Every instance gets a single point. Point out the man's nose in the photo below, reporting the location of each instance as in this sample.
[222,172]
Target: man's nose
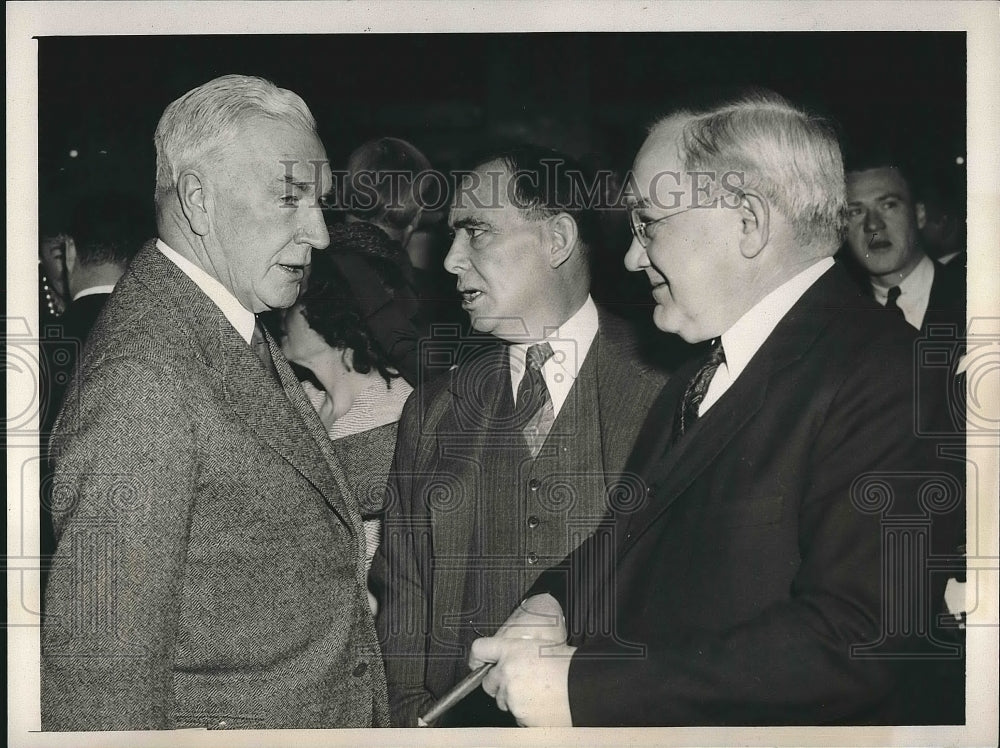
[873,220]
[636,258]
[457,258]
[313,230]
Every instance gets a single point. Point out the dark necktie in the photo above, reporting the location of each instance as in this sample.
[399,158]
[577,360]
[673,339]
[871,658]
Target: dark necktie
[687,409]
[260,347]
[893,301]
[534,405]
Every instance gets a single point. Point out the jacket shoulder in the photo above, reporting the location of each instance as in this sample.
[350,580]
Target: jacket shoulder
[621,342]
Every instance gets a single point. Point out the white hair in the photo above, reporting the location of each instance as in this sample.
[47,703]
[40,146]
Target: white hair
[791,157]
[200,125]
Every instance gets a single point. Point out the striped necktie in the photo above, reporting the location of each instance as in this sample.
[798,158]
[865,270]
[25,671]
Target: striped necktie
[534,407]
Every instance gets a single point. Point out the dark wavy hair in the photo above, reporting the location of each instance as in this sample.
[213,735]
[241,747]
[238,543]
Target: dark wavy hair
[360,296]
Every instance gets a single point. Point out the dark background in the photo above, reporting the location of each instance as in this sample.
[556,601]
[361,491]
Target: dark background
[590,94]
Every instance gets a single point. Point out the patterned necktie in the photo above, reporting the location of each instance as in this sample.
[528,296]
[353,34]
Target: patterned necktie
[687,409]
[893,301]
[258,342]
[534,405]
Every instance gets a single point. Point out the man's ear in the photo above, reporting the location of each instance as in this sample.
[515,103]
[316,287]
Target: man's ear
[921,212]
[193,201]
[564,236]
[755,224]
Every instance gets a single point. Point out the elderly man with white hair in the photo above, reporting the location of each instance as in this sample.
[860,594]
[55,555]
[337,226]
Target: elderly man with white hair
[210,565]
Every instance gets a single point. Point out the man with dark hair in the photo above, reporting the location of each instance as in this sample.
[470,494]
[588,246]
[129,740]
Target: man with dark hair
[508,462]
[107,232]
[884,235]
[758,580]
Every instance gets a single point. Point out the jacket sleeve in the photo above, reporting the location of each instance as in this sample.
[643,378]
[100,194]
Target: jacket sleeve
[123,491]
[398,579]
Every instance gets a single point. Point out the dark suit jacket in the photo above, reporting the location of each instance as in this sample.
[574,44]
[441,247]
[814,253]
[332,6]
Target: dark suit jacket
[947,302]
[445,432]
[210,567]
[762,554]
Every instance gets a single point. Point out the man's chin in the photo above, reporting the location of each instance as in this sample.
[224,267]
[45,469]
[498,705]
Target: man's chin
[665,321]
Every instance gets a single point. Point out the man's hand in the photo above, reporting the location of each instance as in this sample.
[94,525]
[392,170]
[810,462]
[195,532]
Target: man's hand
[538,617]
[530,679]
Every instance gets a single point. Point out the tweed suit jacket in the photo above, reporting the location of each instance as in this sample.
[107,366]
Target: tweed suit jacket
[430,524]
[761,581]
[210,566]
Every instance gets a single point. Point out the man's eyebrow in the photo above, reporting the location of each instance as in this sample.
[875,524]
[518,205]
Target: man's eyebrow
[470,222]
[880,198]
[300,184]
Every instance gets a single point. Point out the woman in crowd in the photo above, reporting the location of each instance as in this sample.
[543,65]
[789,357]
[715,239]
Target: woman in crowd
[354,329]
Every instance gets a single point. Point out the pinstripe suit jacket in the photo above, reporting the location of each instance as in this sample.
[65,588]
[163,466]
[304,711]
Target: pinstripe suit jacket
[444,434]
[210,567]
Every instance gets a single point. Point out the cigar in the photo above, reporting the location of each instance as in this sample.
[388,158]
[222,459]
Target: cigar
[467,685]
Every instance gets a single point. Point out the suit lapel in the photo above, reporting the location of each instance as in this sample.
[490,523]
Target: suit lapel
[341,499]
[466,430]
[274,412]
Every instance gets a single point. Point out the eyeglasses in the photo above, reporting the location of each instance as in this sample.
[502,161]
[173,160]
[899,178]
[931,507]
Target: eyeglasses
[640,228]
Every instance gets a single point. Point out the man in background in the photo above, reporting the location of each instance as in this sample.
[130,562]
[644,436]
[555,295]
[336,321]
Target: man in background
[884,236]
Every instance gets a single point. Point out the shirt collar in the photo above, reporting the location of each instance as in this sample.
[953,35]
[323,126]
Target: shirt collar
[94,290]
[917,282]
[239,316]
[570,343]
[747,335]
[572,338]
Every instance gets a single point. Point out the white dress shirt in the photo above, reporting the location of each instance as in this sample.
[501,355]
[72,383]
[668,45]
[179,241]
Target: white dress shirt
[570,343]
[93,291]
[741,341]
[239,316]
[914,292]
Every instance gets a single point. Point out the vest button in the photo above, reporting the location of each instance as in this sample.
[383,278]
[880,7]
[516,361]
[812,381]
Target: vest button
[533,522]
[534,484]
[532,558]
[360,669]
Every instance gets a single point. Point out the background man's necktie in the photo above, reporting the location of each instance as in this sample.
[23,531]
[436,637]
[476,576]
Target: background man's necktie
[893,301]
[687,409]
[260,347]
[534,404]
